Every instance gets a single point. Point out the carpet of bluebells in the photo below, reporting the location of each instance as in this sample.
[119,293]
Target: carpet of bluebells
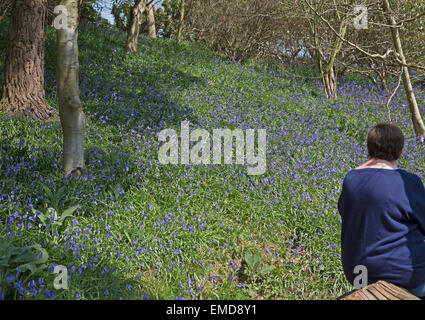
[143,230]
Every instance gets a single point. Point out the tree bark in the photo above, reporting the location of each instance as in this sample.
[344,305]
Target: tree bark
[150,17]
[327,66]
[181,20]
[418,124]
[330,76]
[134,26]
[5,8]
[23,88]
[71,114]
[329,82]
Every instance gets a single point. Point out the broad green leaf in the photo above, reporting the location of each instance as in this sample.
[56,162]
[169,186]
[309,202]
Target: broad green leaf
[266,269]
[60,193]
[28,267]
[68,212]
[47,191]
[248,259]
[24,257]
[41,254]
[43,217]
[257,260]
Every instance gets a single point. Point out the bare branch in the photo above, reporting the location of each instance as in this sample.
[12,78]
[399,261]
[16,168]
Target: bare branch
[371,55]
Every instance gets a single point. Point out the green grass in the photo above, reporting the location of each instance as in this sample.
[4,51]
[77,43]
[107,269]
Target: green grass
[190,225]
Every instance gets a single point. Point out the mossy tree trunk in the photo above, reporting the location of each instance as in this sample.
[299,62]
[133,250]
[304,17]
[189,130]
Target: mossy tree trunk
[23,87]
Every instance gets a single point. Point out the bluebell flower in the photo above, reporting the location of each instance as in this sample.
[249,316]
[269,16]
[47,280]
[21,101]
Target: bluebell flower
[241,285]
[49,294]
[10,277]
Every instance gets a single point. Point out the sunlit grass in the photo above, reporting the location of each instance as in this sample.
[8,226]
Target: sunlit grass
[146,230]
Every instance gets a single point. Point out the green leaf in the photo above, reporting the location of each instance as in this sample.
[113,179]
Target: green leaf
[128,237]
[248,259]
[3,264]
[68,212]
[25,256]
[30,266]
[41,216]
[48,192]
[257,261]
[60,193]
[3,243]
[41,254]
[266,269]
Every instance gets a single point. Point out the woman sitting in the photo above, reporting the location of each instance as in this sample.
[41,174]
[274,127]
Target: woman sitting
[383,216]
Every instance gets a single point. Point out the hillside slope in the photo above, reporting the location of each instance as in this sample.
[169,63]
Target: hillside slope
[147,230]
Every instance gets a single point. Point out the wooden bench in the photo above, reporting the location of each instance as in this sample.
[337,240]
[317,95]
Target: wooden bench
[380,290]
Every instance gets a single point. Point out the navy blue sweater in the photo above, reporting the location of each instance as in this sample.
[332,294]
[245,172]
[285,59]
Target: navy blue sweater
[383,226]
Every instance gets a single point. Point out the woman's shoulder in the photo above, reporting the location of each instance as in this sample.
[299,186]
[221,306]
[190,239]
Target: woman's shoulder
[406,176]
[409,176]
[381,173]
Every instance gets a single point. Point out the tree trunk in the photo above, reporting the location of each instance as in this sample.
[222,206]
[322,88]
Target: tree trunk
[151,20]
[72,117]
[418,124]
[5,8]
[329,82]
[23,88]
[134,26]
[181,20]
[329,74]
[327,65]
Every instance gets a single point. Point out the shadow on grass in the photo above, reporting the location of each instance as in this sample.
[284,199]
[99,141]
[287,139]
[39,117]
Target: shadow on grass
[118,95]
[94,280]
[128,90]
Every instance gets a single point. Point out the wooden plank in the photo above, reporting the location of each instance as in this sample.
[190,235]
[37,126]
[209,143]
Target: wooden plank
[377,293]
[400,293]
[388,290]
[389,294]
[358,295]
[368,295]
[380,290]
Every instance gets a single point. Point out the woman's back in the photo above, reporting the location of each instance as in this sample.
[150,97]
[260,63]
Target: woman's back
[383,225]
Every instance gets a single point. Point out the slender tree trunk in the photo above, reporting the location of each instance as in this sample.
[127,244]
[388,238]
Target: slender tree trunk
[418,124]
[134,26]
[23,88]
[151,20]
[181,21]
[71,114]
[329,82]
[329,74]
[327,66]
